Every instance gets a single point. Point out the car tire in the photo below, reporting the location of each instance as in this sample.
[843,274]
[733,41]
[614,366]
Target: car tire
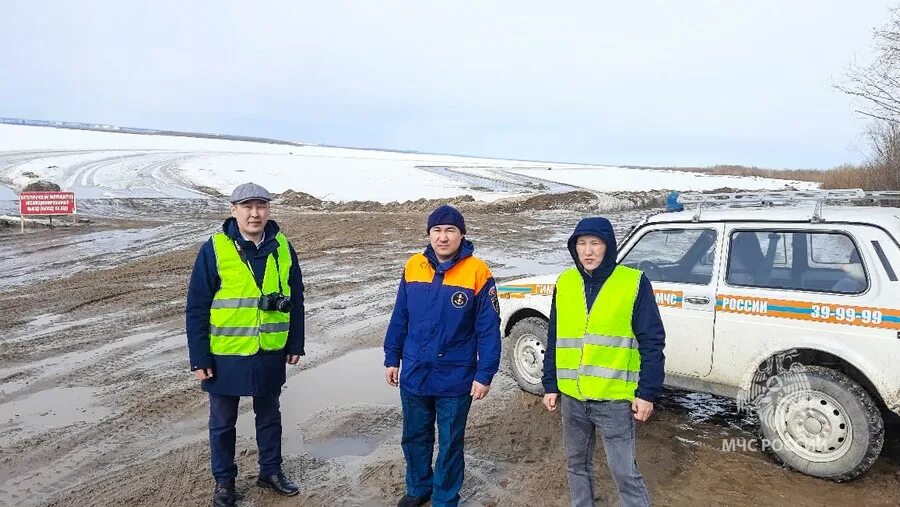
[820,422]
[527,343]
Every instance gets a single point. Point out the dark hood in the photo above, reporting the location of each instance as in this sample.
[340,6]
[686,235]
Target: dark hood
[596,226]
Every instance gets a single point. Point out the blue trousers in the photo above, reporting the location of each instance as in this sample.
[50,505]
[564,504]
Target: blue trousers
[223,412]
[419,416]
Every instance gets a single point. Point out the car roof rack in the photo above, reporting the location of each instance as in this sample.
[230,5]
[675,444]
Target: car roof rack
[760,199]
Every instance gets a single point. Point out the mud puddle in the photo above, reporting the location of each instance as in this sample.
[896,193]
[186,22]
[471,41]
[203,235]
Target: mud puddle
[50,409]
[708,409]
[350,380]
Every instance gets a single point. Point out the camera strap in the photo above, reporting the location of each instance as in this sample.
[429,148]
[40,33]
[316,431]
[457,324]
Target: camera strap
[274,254]
[243,256]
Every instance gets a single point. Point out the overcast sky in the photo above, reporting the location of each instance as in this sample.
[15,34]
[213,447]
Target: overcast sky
[649,83]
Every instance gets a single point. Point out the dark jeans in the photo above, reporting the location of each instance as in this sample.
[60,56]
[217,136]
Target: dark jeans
[419,416]
[615,422]
[223,412]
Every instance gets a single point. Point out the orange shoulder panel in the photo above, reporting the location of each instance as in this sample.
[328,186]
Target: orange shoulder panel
[470,273]
[418,269]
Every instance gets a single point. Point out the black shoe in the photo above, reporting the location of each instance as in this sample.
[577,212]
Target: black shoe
[412,501]
[279,483]
[224,495]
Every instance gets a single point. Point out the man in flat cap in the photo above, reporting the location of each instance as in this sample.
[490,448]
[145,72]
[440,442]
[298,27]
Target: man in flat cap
[244,321]
[445,332]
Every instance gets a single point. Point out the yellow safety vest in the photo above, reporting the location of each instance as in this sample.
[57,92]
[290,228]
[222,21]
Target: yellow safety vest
[597,355]
[237,327]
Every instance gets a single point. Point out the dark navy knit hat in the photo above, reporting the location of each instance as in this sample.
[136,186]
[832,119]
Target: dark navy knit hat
[446,215]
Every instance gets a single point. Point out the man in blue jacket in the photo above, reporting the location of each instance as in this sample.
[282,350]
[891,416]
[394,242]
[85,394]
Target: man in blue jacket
[445,330]
[605,355]
[244,321]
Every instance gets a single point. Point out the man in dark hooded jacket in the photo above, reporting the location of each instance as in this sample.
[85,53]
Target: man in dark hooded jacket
[604,359]
[244,321]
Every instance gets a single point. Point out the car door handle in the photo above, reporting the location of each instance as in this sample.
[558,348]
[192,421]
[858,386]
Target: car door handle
[694,300]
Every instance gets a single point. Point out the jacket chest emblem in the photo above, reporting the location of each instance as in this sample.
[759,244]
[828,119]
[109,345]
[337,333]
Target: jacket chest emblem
[459,299]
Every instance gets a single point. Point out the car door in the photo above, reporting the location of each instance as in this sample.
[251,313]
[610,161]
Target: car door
[787,286]
[682,263]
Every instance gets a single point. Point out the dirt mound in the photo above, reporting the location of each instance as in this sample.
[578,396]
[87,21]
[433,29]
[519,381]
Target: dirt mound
[41,186]
[575,200]
[303,200]
[298,199]
[643,200]
[418,205]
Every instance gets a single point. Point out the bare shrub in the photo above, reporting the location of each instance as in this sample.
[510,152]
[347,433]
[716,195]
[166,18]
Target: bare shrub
[876,87]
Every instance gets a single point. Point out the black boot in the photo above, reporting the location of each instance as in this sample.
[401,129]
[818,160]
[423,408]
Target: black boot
[412,501]
[224,495]
[279,483]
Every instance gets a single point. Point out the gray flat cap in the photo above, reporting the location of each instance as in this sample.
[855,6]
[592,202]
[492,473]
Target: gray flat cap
[250,192]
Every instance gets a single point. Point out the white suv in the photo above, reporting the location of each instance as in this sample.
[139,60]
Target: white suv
[791,309]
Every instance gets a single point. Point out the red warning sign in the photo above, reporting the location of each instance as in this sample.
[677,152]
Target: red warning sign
[47,203]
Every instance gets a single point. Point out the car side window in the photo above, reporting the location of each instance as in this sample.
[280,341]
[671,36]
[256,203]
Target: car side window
[675,255]
[796,260]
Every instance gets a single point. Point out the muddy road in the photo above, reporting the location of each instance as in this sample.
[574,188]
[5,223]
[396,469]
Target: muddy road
[97,406]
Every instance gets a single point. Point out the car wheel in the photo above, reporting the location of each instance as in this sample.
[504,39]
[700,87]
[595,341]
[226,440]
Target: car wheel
[527,343]
[820,422]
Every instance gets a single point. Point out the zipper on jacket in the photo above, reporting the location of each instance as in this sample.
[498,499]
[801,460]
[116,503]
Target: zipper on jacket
[435,292]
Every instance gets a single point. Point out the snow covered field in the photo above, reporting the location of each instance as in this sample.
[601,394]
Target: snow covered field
[606,179]
[111,164]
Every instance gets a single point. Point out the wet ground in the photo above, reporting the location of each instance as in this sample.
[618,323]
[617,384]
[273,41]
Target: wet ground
[97,406]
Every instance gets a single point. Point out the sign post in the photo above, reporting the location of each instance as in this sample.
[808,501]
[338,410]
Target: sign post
[46,204]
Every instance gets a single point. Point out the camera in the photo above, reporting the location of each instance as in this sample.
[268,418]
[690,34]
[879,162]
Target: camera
[275,302]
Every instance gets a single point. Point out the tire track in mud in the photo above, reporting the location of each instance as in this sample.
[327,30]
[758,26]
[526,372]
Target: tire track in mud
[92,249]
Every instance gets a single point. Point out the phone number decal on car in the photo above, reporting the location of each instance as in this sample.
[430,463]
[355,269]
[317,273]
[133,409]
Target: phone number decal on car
[888,318]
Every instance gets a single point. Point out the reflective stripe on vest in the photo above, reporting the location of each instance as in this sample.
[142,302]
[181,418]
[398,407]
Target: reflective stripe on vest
[237,327]
[597,355]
